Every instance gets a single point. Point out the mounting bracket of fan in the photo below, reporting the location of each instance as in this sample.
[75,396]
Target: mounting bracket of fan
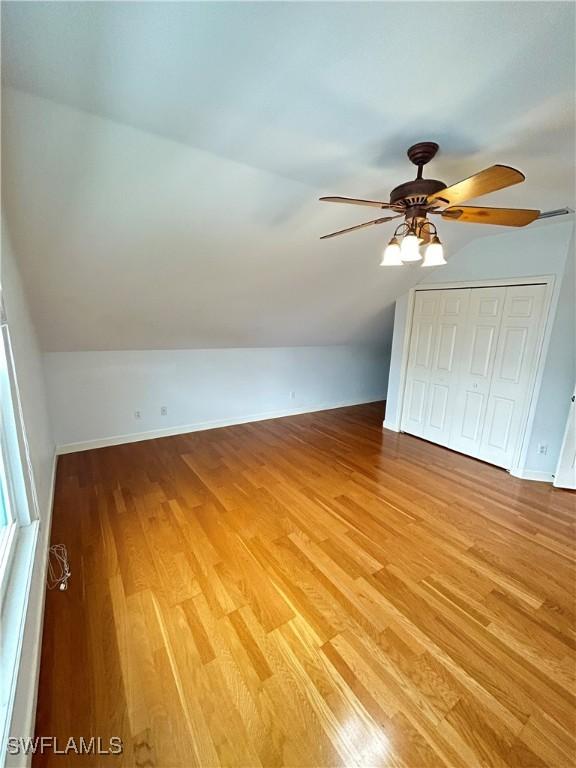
[422,153]
[415,193]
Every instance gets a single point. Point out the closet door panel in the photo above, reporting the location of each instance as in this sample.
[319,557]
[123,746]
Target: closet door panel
[439,394]
[471,424]
[499,422]
[417,402]
[479,351]
[482,352]
[511,361]
[422,339]
[433,363]
[446,347]
[444,373]
[514,364]
[423,344]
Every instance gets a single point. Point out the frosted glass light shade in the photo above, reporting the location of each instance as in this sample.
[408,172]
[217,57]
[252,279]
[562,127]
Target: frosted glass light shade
[391,255]
[434,254]
[410,249]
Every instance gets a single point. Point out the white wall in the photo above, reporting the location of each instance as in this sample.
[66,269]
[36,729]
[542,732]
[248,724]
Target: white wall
[30,379]
[546,248]
[128,241]
[93,395]
[30,374]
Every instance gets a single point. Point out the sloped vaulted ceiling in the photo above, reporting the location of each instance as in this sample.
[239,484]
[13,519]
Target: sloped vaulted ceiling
[162,161]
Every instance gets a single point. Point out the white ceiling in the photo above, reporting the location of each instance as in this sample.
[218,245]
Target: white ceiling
[162,161]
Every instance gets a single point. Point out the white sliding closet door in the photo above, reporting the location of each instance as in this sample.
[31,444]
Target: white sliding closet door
[435,350]
[516,357]
[420,362]
[450,325]
[480,338]
[472,356]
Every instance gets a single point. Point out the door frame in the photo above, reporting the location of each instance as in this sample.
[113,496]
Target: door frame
[567,444]
[545,331]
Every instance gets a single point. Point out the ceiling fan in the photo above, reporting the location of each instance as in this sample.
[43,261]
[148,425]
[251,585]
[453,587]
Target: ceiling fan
[415,200]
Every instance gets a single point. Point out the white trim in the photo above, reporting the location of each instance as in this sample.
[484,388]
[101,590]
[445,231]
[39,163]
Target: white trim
[531,474]
[565,476]
[24,693]
[395,425]
[549,313]
[14,615]
[550,303]
[200,426]
[7,546]
[492,283]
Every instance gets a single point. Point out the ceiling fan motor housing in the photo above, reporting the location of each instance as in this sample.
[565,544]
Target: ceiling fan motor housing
[415,192]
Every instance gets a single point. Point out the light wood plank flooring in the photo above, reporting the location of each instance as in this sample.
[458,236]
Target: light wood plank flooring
[310,591]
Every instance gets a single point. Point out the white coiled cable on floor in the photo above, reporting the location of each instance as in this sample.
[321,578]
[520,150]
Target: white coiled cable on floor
[58,568]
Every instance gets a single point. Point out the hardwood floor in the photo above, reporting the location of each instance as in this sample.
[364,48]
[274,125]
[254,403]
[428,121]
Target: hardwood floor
[310,591]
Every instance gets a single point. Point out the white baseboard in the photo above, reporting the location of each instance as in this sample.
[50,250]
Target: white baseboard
[530,474]
[151,434]
[391,426]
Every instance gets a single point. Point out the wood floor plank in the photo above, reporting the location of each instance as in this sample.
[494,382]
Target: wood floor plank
[310,591]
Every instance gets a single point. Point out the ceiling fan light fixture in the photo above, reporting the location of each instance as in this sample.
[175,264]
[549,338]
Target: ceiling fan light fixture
[391,256]
[434,253]
[414,200]
[410,249]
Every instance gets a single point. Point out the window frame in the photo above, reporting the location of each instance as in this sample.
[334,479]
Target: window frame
[19,540]
[16,481]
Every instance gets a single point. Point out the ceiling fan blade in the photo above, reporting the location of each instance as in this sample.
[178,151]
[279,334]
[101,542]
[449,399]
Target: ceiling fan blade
[504,217]
[356,201]
[360,226]
[482,183]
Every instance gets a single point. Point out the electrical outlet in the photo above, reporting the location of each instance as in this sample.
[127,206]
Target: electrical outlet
[137,414]
[543,449]
[292,395]
[164,410]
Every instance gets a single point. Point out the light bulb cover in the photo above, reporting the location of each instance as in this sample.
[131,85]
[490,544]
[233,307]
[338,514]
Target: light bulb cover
[410,248]
[391,255]
[434,254]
